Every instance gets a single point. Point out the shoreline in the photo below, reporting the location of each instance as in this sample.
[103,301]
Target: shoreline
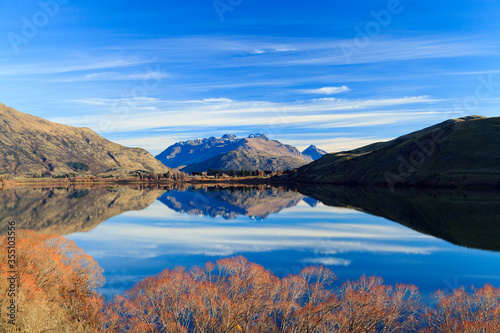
[11,183]
[255,180]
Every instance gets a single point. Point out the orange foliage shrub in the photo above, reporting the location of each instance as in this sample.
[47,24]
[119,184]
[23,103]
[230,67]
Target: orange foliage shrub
[460,311]
[55,287]
[234,295]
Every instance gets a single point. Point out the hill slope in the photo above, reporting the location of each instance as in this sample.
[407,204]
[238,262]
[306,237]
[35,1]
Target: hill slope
[230,153]
[32,146]
[456,152]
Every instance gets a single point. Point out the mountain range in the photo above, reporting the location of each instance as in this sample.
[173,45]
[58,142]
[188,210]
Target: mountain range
[32,146]
[255,152]
[457,152]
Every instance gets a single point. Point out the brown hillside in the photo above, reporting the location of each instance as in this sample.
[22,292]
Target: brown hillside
[32,146]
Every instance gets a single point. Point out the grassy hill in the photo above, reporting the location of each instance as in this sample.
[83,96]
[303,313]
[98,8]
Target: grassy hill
[459,152]
[32,146]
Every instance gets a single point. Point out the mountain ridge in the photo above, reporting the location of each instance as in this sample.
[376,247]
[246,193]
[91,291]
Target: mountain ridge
[256,151]
[32,146]
[314,152]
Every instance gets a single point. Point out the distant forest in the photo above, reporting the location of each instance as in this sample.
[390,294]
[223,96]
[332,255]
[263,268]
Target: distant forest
[240,173]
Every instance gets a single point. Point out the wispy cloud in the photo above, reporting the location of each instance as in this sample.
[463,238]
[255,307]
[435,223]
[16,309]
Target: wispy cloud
[336,143]
[188,238]
[37,68]
[326,90]
[394,49]
[213,112]
[212,100]
[116,76]
[114,101]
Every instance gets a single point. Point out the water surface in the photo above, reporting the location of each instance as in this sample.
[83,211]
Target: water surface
[435,239]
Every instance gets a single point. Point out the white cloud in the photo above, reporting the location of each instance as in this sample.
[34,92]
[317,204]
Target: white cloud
[322,52]
[282,49]
[115,76]
[154,144]
[216,100]
[258,52]
[74,66]
[326,90]
[229,113]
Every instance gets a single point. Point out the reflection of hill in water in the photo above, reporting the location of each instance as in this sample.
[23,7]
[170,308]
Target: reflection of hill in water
[463,217]
[67,210]
[230,202]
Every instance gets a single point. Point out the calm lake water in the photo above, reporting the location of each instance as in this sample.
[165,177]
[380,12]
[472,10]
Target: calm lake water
[435,239]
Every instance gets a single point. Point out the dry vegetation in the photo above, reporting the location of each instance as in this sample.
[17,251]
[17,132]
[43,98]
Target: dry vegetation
[58,283]
[56,286]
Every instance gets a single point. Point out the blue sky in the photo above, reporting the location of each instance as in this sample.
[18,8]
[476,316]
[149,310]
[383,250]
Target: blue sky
[336,74]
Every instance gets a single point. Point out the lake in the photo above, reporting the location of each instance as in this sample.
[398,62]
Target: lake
[435,239]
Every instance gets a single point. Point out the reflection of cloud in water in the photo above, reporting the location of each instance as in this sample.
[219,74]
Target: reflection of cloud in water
[345,247]
[327,261]
[133,240]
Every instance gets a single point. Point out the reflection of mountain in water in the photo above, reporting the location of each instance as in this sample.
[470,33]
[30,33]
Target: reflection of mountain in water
[311,201]
[231,202]
[462,217]
[68,210]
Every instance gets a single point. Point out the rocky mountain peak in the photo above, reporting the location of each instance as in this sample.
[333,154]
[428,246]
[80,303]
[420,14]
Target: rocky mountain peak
[314,152]
[230,137]
[258,135]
